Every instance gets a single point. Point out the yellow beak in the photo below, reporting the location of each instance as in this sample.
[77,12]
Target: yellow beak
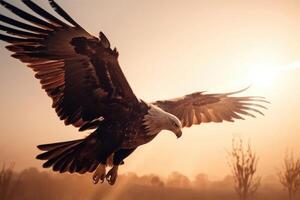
[178,134]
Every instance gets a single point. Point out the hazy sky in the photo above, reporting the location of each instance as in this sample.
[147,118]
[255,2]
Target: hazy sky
[167,49]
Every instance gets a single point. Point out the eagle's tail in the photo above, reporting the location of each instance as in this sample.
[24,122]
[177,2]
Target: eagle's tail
[71,156]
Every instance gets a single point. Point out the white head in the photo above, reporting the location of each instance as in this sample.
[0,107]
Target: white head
[157,120]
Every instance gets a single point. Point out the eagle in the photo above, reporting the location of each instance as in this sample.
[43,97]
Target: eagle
[82,75]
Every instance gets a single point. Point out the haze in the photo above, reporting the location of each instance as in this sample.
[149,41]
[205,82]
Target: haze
[169,49]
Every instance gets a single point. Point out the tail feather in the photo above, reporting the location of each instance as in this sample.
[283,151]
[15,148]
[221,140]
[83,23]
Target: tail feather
[61,161]
[47,147]
[56,155]
[72,156]
[66,165]
[72,166]
[59,150]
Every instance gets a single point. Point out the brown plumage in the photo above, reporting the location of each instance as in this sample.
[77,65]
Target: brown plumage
[200,108]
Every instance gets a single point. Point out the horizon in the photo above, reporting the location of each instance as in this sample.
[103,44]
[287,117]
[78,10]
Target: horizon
[131,186]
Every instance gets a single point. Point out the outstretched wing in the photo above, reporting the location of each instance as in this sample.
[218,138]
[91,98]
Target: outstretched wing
[200,108]
[78,71]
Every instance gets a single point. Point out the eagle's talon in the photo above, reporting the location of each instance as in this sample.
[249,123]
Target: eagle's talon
[99,174]
[112,175]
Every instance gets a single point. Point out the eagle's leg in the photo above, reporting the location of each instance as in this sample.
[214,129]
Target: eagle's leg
[112,175]
[99,174]
[109,143]
[118,158]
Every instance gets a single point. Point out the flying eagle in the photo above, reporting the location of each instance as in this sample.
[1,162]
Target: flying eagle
[82,75]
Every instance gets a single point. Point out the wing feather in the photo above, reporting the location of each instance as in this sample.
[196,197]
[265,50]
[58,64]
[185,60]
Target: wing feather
[190,117]
[22,25]
[19,33]
[27,16]
[200,107]
[40,11]
[78,71]
[63,13]
[198,115]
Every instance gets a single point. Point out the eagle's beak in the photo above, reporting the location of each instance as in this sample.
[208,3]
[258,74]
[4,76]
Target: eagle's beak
[178,134]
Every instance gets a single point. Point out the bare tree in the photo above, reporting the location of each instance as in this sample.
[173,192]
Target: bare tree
[243,163]
[290,174]
[7,182]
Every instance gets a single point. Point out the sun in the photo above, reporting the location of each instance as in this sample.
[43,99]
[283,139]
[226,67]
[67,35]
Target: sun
[263,75]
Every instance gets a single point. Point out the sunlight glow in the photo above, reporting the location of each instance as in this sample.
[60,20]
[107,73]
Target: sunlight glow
[263,75]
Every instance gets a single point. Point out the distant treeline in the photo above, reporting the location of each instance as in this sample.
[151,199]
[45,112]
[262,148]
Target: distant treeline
[31,184]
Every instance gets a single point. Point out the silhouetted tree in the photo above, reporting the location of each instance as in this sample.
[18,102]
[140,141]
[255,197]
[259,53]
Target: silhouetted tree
[7,182]
[290,175]
[243,162]
[150,179]
[177,179]
[155,181]
[201,181]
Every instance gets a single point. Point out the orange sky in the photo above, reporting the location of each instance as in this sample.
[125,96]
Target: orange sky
[168,49]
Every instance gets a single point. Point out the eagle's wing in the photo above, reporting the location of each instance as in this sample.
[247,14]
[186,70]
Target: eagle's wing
[77,70]
[200,108]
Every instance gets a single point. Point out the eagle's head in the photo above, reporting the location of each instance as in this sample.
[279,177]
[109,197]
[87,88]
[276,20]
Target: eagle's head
[174,125]
[157,120]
